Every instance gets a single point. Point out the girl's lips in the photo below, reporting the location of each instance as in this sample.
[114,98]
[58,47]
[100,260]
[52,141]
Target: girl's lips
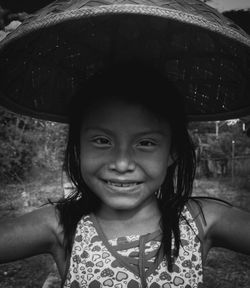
[122,185]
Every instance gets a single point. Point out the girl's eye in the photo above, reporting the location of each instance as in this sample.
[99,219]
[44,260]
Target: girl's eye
[147,144]
[101,141]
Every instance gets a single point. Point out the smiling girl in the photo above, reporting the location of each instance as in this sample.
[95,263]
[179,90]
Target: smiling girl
[131,220]
[126,76]
[133,167]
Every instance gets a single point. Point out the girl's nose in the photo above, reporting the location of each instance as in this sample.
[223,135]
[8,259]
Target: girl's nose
[122,161]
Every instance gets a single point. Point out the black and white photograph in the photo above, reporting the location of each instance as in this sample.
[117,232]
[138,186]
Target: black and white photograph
[125,143]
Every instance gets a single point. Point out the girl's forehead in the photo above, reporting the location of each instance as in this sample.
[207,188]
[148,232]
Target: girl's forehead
[122,113]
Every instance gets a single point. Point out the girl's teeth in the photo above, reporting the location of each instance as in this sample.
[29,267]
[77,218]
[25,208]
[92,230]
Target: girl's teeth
[121,184]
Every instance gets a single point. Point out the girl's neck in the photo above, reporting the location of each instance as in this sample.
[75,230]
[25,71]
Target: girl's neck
[140,221]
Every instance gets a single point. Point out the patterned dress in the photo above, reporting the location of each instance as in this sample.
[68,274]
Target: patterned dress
[134,261]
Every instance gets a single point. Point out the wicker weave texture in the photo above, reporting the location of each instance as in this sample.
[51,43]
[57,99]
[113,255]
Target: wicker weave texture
[190,11]
[208,57]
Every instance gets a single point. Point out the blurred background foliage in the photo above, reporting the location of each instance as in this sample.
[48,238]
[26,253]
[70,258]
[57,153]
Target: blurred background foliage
[222,148]
[28,145]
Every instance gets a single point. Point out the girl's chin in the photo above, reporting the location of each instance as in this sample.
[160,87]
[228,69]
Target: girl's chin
[128,203]
[121,204]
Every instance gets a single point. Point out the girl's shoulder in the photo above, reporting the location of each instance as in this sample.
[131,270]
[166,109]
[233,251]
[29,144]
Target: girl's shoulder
[207,211]
[49,216]
[46,217]
[47,221]
[223,224]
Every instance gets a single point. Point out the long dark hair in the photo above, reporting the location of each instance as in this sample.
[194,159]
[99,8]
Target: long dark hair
[138,83]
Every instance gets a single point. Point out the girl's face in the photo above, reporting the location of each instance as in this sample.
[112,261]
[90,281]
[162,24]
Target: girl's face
[125,152]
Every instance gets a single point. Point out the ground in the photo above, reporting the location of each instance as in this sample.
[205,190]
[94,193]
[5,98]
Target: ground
[223,268]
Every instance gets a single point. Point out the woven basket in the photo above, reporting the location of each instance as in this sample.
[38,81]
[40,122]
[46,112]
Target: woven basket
[43,61]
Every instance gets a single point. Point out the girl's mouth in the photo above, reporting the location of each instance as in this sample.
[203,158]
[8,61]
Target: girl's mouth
[121,184]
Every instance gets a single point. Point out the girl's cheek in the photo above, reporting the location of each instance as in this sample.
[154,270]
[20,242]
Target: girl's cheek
[157,172]
[155,166]
[92,162]
[87,165]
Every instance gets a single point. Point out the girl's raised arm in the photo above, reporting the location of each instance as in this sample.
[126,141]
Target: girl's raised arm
[31,234]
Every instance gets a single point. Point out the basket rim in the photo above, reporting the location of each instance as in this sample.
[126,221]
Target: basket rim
[32,25]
